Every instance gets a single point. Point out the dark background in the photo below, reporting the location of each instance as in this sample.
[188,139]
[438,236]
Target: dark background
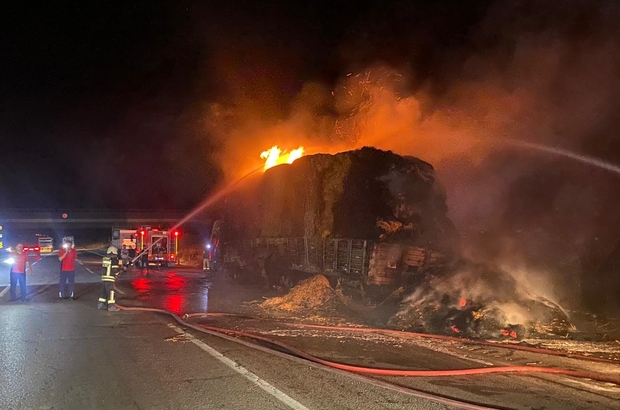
[101,105]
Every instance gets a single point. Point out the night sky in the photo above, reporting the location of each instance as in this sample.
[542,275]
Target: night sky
[109,105]
[101,104]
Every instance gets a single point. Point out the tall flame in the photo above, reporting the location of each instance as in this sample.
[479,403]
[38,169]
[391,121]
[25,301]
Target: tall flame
[275,156]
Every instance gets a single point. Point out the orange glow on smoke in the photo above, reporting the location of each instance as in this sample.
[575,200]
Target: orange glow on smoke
[275,156]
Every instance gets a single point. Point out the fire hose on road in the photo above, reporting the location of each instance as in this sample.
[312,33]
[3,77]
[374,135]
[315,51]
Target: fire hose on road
[460,404]
[217,331]
[399,333]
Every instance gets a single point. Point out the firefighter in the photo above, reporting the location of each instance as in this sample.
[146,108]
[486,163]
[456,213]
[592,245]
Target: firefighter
[110,270]
[206,258]
[132,256]
[125,257]
[144,260]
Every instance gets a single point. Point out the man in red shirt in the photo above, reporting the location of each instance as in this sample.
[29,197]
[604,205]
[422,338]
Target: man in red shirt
[67,257]
[18,272]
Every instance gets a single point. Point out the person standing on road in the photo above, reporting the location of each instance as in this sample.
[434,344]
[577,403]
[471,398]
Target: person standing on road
[125,257]
[110,270]
[136,258]
[18,272]
[206,258]
[67,257]
[144,260]
[132,255]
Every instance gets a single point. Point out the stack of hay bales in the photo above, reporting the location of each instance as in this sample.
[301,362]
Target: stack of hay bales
[365,194]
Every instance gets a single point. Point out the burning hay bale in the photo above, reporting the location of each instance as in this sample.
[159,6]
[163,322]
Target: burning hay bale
[313,294]
[476,301]
[366,194]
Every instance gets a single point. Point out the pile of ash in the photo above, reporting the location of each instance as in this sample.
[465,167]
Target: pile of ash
[475,301]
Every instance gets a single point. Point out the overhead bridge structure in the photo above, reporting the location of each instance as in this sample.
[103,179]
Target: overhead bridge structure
[90,218]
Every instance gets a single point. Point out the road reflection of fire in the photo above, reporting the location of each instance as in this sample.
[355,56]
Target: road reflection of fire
[165,292]
[175,283]
[174,303]
[175,296]
[142,287]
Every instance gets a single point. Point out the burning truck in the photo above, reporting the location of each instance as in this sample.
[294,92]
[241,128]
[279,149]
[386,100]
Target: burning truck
[363,216]
[375,224]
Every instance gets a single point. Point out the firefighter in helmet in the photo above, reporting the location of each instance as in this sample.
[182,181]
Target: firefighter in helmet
[110,270]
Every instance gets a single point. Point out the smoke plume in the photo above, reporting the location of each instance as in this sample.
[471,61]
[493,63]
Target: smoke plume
[528,71]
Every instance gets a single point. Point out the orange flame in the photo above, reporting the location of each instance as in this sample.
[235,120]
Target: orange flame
[275,156]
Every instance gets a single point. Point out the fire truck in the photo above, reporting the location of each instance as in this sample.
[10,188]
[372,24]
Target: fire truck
[162,244]
[124,236]
[46,243]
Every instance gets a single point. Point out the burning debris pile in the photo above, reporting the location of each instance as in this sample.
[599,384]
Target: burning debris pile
[313,295]
[475,301]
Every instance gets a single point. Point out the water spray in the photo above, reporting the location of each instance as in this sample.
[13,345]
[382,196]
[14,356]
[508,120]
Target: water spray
[201,207]
[597,162]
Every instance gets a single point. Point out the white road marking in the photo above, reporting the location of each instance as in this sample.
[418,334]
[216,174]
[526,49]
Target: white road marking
[93,252]
[40,259]
[84,266]
[596,386]
[278,394]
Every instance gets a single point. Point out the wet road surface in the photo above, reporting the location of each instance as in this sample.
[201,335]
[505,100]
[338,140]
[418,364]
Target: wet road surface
[69,355]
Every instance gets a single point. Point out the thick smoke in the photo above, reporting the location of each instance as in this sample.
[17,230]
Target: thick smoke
[530,71]
[480,301]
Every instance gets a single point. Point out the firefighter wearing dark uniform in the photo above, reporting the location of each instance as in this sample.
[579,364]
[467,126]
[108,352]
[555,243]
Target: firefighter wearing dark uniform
[110,270]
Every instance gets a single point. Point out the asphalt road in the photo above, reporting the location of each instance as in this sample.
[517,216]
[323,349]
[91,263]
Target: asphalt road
[69,355]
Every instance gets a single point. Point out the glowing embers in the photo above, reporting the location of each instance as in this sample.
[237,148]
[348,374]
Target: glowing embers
[275,156]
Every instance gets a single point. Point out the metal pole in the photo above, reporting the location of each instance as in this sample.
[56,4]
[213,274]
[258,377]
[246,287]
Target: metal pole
[176,248]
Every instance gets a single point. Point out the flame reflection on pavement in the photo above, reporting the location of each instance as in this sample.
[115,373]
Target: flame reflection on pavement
[177,292]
